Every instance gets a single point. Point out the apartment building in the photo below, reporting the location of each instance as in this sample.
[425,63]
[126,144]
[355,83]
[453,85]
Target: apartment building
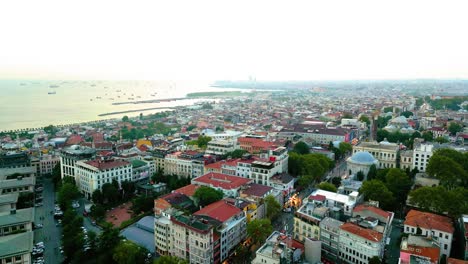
[358,244]
[307,219]
[421,155]
[229,185]
[16,231]
[385,152]
[338,202]
[431,225]
[419,248]
[47,164]
[279,248]
[91,175]
[220,147]
[329,236]
[69,156]
[17,180]
[188,164]
[406,159]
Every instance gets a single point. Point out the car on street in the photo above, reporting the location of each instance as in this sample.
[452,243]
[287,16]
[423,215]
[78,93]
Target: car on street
[39,204]
[37,226]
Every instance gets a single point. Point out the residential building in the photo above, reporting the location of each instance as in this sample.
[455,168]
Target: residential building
[406,159]
[329,235]
[421,155]
[307,219]
[384,152]
[431,225]
[464,230]
[14,160]
[358,244]
[233,227]
[230,185]
[91,175]
[186,164]
[17,180]
[340,203]
[422,248]
[279,248]
[69,156]
[372,217]
[254,145]
[318,133]
[47,164]
[220,147]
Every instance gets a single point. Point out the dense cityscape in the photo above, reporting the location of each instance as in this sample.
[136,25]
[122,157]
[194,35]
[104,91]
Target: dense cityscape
[285,172]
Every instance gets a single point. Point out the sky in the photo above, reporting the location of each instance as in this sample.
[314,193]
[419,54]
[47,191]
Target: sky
[232,40]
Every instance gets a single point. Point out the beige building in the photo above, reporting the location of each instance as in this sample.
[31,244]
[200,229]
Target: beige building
[17,180]
[406,159]
[385,152]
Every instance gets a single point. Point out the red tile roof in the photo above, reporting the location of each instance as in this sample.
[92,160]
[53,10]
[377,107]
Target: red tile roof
[220,210]
[257,190]
[104,165]
[188,190]
[373,209]
[429,221]
[318,197]
[368,234]
[223,181]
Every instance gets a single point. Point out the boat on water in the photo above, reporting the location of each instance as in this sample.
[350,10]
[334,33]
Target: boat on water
[98,97]
[53,92]
[53,86]
[90,99]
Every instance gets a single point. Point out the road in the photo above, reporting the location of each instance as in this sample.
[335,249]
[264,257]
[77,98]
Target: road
[50,234]
[86,220]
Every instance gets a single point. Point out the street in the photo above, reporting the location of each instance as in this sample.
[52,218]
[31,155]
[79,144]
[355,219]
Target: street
[86,220]
[50,234]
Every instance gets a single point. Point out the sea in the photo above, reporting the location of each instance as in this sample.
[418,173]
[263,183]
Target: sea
[38,103]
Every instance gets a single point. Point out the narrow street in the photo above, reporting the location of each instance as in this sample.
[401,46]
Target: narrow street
[50,234]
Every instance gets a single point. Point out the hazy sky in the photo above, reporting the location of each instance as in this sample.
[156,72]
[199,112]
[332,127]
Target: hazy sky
[209,40]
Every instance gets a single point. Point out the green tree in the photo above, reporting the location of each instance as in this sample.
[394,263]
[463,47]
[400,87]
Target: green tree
[110,193]
[66,194]
[376,190]
[428,136]
[375,260]
[125,119]
[98,212]
[399,184]
[108,240]
[170,260]
[449,172]
[360,176]
[56,175]
[407,114]
[365,119]
[327,186]
[142,204]
[345,147]
[207,195]
[97,197]
[454,128]
[441,140]
[336,181]
[202,141]
[73,238]
[301,148]
[305,181]
[191,127]
[372,174]
[457,156]
[258,230]
[127,252]
[236,154]
[347,116]
[273,208]
[128,188]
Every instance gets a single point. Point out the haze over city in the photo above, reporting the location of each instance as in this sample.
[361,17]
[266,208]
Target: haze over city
[213,40]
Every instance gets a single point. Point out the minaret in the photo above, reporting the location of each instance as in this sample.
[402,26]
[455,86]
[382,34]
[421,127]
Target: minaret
[120,133]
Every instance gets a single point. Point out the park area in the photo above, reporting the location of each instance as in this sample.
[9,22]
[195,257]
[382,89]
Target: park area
[119,214]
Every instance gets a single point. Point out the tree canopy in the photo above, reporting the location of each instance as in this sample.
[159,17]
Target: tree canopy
[272,206]
[376,190]
[450,173]
[258,230]
[207,195]
[301,148]
[127,252]
[170,260]
[327,186]
[440,200]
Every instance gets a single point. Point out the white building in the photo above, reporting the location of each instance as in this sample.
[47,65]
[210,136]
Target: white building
[431,225]
[69,156]
[278,248]
[344,203]
[421,155]
[384,151]
[220,147]
[358,244]
[361,162]
[91,175]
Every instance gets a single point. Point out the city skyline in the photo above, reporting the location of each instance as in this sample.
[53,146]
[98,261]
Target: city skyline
[208,40]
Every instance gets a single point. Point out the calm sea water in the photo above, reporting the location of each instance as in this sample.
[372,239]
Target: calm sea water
[27,104]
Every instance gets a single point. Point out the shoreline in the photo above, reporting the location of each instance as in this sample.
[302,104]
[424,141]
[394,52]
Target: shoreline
[137,110]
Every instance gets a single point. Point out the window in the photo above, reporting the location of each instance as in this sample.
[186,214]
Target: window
[446,236]
[445,246]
